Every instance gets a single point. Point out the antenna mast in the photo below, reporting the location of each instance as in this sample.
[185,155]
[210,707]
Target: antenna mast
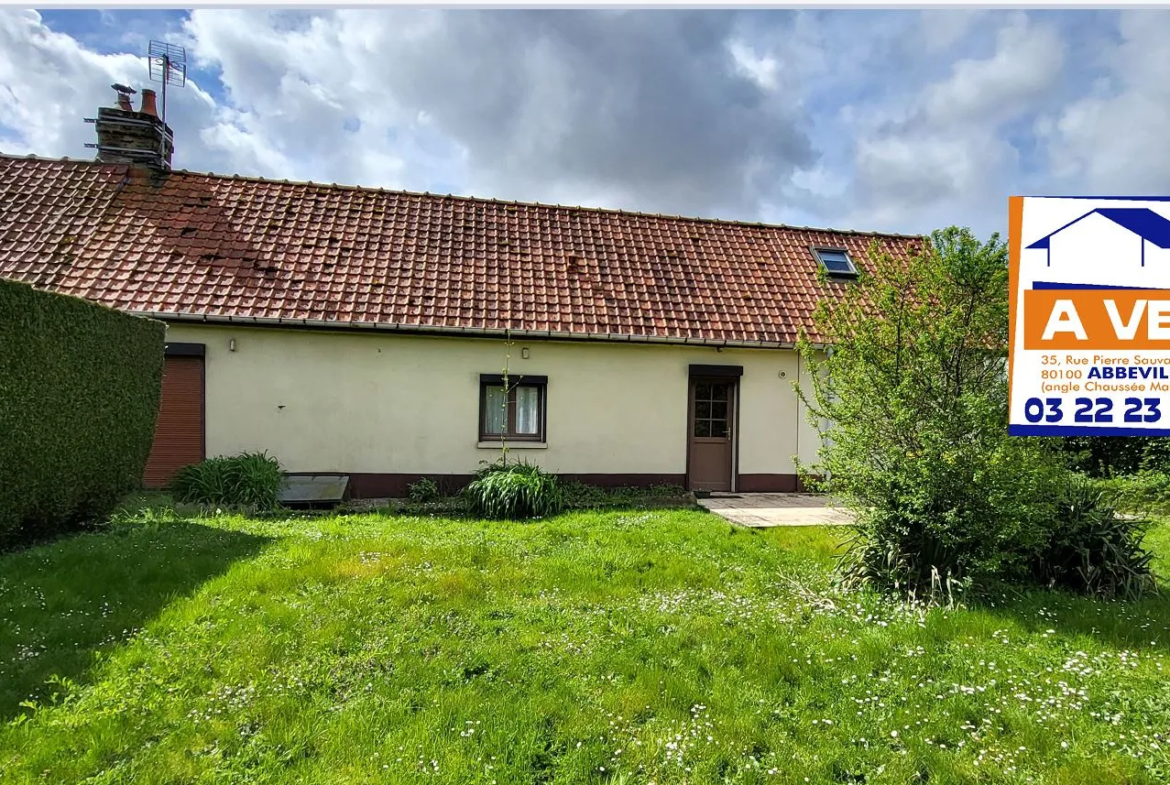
[168,66]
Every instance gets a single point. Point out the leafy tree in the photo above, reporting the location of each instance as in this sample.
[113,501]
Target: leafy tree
[1111,456]
[909,371]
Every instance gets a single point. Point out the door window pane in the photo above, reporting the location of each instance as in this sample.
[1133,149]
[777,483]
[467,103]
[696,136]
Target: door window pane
[711,413]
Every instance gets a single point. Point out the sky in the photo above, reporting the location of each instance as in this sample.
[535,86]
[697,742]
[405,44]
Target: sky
[900,121]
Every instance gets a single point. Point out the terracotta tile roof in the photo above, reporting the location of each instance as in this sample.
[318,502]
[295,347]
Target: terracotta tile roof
[215,246]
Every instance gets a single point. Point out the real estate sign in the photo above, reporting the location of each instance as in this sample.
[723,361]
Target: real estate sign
[1090,316]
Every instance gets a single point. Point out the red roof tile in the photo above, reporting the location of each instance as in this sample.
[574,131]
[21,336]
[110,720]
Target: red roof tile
[208,245]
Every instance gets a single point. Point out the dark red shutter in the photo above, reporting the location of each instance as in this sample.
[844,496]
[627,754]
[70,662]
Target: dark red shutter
[178,435]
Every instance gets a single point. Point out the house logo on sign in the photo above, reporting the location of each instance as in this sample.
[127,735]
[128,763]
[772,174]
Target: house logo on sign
[1126,237]
[1090,316]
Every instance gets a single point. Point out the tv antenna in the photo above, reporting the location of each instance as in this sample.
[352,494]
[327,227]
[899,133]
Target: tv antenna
[168,66]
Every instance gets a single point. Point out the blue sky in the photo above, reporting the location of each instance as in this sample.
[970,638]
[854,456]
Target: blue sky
[884,120]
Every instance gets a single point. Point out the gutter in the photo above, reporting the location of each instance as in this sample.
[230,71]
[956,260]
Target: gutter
[466,332]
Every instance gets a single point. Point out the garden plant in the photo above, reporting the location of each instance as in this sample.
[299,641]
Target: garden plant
[908,375]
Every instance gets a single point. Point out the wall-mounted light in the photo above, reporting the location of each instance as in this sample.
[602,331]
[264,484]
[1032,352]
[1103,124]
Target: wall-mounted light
[782,374]
[524,353]
[232,345]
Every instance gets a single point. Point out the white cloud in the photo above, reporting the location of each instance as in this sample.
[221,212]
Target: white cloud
[1027,62]
[941,155]
[648,110]
[49,80]
[942,29]
[894,120]
[761,69]
[1113,139]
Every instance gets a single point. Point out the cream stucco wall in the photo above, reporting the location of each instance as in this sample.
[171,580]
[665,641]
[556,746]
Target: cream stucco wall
[809,435]
[402,404]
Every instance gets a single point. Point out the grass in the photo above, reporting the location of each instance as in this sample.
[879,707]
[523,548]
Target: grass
[639,646]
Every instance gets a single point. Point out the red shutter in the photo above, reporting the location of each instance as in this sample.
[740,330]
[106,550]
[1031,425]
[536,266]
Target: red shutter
[178,435]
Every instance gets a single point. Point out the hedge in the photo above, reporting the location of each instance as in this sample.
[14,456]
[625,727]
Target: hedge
[79,393]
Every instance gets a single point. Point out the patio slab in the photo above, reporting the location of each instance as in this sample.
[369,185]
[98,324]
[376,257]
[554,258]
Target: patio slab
[765,510]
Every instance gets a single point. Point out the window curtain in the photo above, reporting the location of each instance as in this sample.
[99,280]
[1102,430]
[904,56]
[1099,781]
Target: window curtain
[496,417]
[527,410]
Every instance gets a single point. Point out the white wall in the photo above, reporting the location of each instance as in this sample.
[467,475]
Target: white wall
[809,436]
[360,402]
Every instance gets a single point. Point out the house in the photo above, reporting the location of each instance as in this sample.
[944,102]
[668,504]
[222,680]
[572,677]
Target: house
[367,331]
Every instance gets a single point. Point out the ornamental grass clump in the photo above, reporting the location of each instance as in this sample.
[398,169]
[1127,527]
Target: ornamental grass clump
[517,491]
[249,480]
[1094,550]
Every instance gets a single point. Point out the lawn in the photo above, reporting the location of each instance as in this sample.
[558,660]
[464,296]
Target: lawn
[632,646]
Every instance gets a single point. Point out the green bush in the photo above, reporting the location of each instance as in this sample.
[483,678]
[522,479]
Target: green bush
[1107,456]
[580,495]
[79,394]
[249,480]
[424,491]
[974,518]
[915,394]
[515,491]
[1146,492]
[1093,550]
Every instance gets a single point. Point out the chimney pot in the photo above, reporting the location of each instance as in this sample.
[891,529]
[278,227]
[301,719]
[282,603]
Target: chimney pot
[148,106]
[124,94]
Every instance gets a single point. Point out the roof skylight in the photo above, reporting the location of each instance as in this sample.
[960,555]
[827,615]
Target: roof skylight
[836,261]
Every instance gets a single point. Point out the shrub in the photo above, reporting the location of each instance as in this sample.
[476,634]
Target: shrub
[424,491]
[583,496]
[516,491]
[1106,456]
[249,480]
[79,386]
[1093,550]
[1147,491]
[976,517]
[915,395]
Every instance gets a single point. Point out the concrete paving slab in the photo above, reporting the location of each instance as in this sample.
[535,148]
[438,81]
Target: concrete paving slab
[765,510]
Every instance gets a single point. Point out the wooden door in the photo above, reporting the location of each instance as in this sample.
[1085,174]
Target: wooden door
[711,434]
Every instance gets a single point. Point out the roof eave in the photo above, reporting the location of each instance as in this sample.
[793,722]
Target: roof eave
[467,332]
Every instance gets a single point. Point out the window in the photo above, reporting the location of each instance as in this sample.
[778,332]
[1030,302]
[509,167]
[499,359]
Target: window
[711,409]
[515,413]
[836,261]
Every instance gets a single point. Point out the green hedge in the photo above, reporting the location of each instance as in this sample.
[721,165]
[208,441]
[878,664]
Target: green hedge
[79,392]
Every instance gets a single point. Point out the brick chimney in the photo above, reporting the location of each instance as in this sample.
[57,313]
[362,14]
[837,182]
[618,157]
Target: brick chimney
[134,137]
